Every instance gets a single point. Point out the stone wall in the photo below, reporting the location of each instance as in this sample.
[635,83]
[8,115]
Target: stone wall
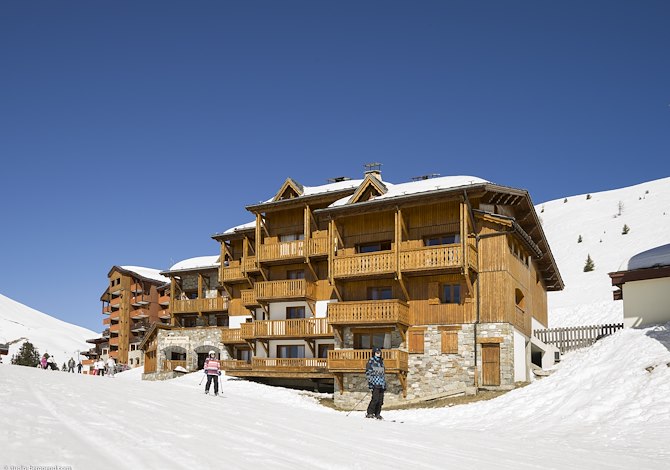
[506,332]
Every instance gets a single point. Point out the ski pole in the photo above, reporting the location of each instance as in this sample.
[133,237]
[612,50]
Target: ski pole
[359,402]
[203,378]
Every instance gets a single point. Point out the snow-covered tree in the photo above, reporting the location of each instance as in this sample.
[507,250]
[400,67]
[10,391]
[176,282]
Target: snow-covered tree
[590,265]
[28,355]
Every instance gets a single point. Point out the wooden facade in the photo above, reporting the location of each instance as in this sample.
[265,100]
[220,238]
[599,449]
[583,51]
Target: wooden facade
[131,303]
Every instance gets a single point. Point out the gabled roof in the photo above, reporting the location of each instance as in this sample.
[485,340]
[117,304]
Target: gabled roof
[147,274]
[198,263]
[289,190]
[370,188]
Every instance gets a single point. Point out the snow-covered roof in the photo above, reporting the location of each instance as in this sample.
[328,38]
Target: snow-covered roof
[422,186]
[237,228]
[326,188]
[148,273]
[659,256]
[198,262]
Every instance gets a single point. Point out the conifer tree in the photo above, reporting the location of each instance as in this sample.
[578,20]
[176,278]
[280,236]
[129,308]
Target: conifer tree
[28,355]
[590,265]
[579,240]
[588,196]
[625,229]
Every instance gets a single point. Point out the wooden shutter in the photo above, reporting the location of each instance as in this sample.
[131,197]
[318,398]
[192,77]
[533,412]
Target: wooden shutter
[415,341]
[449,342]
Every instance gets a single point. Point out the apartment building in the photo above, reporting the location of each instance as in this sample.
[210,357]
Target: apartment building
[135,299]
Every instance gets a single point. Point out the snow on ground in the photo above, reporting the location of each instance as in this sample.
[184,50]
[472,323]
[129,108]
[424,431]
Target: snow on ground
[602,408]
[587,297]
[48,334]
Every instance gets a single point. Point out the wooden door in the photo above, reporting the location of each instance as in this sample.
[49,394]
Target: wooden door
[491,364]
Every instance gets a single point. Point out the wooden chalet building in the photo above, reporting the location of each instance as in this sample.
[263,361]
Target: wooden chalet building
[134,300]
[448,275]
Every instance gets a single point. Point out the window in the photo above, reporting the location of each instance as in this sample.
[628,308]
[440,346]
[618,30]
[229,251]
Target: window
[292,351]
[449,341]
[451,294]
[369,340]
[177,356]
[380,293]
[449,239]
[295,312]
[243,355]
[323,350]
[295,274]
[372,247]
[291,237]
[415,341]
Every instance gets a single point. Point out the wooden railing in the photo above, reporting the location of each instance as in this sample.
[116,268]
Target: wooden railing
[139,314]
[115,328]
[169,365]
[247,330]
[431,257]
[234,364]
[139,299]
[250,264]
[164,313]
[164,299]
[231,336]
[106,310]
[293,328]
[355,360]
[317,246]
[215,304]
[136,287]
[364,265]
[114,341]
[106,321]
[115,302]
[116,315]
[522,320]
[290,365]
[282,250]
[249,297]
[472,255]
[576,337]
[287,289]
[232,272]
[392,311]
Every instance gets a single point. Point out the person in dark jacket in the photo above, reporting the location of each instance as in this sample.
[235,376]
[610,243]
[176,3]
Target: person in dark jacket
[374,372]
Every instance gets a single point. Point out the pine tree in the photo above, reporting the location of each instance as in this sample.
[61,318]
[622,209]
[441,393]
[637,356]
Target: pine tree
[625,229]
[565,200]
[588,196]
[590,265]
[28,355]
[579,240]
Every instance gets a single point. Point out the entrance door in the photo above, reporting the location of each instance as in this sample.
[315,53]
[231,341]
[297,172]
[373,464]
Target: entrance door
[490,364]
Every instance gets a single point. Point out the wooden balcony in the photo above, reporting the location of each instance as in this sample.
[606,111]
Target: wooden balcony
[140,327]
[106,321]
[250,264]
[114,328]
[317,246]
[431,258]
[285,290]
[231,336]
[215,304]
[297,365]
[115,316]
[115,303]
[282,251]
[106,310]
[293,328]
[164,314]
[114,341]
[139,300]
[249,298]
[114,354]
[233,272]
[355,360]
[368,264]
[139,314]
[247,331]
[164,300]
[235,364]
[369,312]
[170,365]
[136,288]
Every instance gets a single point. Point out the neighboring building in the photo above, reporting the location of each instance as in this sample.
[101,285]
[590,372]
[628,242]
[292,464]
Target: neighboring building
[135,299]
[645,288]
[4,349]
[448,275]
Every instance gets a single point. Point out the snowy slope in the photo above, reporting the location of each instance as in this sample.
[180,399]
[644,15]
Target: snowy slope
[587,298]
[601,409]
[48,334]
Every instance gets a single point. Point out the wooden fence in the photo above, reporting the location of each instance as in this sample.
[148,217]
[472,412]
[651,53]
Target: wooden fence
[575,337]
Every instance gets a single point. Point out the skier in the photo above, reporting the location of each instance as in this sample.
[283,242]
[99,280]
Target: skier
[51,364]
[374,372]
[70,365]
[100,367]
[111,366]
[43,362]
[213,370]
[79,366]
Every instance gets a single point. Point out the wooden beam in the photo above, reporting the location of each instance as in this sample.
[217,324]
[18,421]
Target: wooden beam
[311,345]
[401,281]
[340,382]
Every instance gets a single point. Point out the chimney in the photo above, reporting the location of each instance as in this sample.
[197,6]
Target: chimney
[374,169]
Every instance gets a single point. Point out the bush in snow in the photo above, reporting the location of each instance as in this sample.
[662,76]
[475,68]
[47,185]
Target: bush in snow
[590,265]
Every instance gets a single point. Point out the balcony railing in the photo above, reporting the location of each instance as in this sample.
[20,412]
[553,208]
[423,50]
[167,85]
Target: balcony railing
[164,300]
[215,304]
[136,288]
[139,314]
[287,289]
[115,302]
[247,331]
[250,264]
[116,315]
[293,328]
[355,360]
[318,246]
[115,328]
[364,265]
[164,314]
[140,326]
[283,250]
[370,312]
[106,310]
[114,341]
[231,336]
[289,365]
[233,272]
[235,364]
[249,297]
[431,257]
[140,299]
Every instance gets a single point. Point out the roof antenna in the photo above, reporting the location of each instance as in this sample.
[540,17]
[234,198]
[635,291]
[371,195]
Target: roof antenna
[374,169]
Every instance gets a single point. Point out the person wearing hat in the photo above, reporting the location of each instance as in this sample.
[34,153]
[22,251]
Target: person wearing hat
[213,370]
[374,372]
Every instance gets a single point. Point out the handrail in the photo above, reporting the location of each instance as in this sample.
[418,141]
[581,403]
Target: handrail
[370,311]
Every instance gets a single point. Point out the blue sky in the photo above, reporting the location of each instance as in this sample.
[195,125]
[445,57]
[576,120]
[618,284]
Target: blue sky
[130,132]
